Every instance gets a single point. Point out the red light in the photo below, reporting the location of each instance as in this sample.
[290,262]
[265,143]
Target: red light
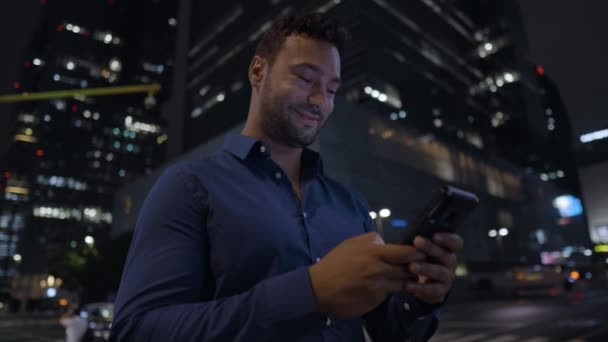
[74,108]
[27,64]
[7,174]
[540,70]
[111,2]
[17,85]
[40,152]
[43,2]
[59,28]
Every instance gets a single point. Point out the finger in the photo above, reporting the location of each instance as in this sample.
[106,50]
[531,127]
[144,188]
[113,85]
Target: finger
[451,262]
[372,237]
[434,272]
[392,272]
[397,254]
[410,275]
[391,286]
[438,253]
[428,293]
[451,242]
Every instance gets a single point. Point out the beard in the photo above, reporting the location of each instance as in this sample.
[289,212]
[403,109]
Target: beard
[279,123]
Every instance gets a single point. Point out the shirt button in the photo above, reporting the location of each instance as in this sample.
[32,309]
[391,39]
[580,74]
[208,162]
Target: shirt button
[406,306]
[277,175]
[328,322]
[262,148]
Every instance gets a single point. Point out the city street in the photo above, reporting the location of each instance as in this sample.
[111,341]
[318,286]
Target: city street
[30,328]
[568,318]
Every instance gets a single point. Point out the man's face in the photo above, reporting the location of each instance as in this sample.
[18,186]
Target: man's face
[297,95]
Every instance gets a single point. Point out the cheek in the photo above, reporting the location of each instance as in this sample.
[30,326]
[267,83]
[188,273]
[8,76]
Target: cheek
[325,118]
[328,109]
[285,94]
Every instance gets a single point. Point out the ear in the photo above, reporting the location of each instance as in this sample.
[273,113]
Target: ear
[257,71]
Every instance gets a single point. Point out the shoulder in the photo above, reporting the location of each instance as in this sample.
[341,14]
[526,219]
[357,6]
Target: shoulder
[191,168]
[191,175]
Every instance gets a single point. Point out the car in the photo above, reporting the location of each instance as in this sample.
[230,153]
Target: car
[99,319]
[517,280]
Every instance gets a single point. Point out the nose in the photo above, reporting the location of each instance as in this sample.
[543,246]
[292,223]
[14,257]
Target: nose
[319,99]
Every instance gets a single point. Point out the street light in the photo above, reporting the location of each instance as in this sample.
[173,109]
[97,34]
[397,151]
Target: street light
[17,258]
[89,240]
[378,217]
[51,292]
[499,235]
[384,213]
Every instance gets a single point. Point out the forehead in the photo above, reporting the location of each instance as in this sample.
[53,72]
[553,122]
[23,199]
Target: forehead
[299,49]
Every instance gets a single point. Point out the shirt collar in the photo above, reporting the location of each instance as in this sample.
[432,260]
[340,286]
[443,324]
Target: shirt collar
[240,145]
[243,146]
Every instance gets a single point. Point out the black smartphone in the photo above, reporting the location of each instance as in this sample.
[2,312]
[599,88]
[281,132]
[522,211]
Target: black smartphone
[446,211]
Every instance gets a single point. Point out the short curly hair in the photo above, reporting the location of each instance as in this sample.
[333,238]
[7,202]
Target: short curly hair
[314,25]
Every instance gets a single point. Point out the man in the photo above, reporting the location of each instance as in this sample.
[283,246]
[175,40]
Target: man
[256,243]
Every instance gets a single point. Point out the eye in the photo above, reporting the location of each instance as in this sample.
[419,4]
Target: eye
[304,79]
[331,91]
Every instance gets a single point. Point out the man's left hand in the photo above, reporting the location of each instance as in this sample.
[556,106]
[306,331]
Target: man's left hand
[439,274]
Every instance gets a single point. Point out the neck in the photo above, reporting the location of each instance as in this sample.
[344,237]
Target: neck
[288,158]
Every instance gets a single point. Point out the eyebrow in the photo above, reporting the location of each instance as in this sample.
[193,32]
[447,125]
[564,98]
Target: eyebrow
[316,69]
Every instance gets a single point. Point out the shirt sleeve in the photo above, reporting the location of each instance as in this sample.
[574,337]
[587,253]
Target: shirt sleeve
[166,290]
[400,316]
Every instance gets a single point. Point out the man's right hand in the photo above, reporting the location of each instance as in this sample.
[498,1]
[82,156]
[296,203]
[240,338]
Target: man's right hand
[358,274]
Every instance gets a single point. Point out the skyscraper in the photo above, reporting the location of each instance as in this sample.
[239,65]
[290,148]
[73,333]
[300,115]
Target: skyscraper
[69,153]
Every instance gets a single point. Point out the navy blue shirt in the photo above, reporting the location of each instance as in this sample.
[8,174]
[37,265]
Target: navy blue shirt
[221,252]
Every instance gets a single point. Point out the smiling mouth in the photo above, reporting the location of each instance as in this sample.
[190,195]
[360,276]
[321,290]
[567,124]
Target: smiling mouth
[307,117]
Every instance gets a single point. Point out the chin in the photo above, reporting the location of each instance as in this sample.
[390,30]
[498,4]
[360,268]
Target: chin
[307,141]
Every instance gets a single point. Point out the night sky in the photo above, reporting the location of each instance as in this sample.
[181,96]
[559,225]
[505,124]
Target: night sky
[568,37]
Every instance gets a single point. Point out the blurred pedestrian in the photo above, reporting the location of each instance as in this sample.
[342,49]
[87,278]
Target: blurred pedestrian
[75,325]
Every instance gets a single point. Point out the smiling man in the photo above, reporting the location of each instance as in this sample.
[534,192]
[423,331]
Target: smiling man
[257,243]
